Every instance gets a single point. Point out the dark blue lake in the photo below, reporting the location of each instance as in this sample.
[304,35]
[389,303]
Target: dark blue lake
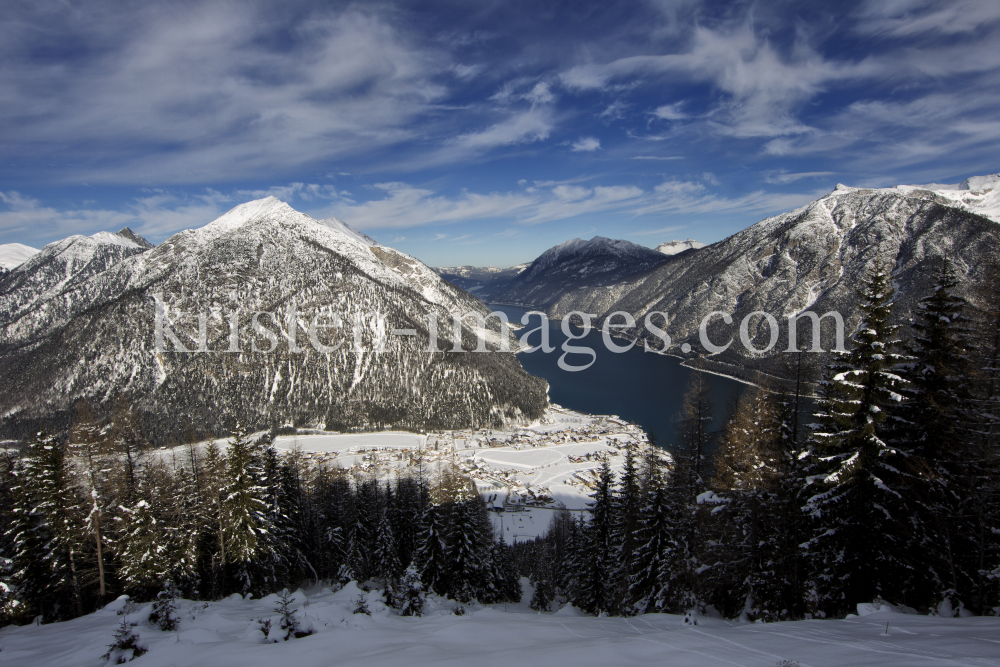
[641,387]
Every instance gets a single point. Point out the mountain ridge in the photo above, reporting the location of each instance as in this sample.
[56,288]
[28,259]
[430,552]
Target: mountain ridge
[94,336]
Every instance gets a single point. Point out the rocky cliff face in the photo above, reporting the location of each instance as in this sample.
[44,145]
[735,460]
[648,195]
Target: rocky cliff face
[91,333]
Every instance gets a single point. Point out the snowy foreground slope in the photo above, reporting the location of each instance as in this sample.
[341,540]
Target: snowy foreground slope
[226,633]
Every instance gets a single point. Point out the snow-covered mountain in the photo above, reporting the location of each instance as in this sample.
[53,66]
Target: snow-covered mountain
[812,258]
[79,322]
[577,264]
[677,247]
[13,255]
[341,226]
[481,281]
[34,294]
[978,194]
[135,238]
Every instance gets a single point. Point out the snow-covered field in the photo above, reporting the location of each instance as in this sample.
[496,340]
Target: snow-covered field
[226,633]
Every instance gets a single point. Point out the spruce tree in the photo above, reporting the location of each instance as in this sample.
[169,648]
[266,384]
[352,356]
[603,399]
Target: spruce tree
[859,550]
[649,583]
[597,586]
[935,426]
[142,551]
[467,567]
[432,551]
[247,533]
[48,531]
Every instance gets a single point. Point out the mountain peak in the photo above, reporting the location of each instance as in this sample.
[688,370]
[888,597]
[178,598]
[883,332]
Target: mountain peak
[13,255]
[134,238]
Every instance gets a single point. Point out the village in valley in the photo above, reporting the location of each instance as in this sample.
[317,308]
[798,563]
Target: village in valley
[523,472]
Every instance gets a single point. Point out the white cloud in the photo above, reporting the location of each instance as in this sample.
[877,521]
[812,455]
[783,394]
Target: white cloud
[785,178]
[670,112]
[157,215]
[195,95]
[658,232]
[905,18]
[407,206]
[587,144]
[535,124]
[761,88]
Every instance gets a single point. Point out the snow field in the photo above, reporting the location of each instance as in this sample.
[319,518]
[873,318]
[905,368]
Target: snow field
[226,633]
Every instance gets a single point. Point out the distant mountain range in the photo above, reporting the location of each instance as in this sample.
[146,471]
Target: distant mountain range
[811,259]
[477,280]
[77,320]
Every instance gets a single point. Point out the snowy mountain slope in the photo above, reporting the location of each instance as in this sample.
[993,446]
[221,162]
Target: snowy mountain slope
[341,226]
[481,281]
[675,247]
[96,336]
[577,264]
[38,292]
[135,238]
[979,194]
[225,633]
[811,258]
[13,255]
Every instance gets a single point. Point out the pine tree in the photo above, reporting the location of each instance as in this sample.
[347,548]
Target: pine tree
[981,505]
[934,425]
[859,550]
[685,485]
[410,597]
[130,446]
[542,581]
[365,531]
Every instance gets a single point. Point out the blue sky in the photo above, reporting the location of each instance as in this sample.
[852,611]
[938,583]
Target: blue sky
[469,132]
